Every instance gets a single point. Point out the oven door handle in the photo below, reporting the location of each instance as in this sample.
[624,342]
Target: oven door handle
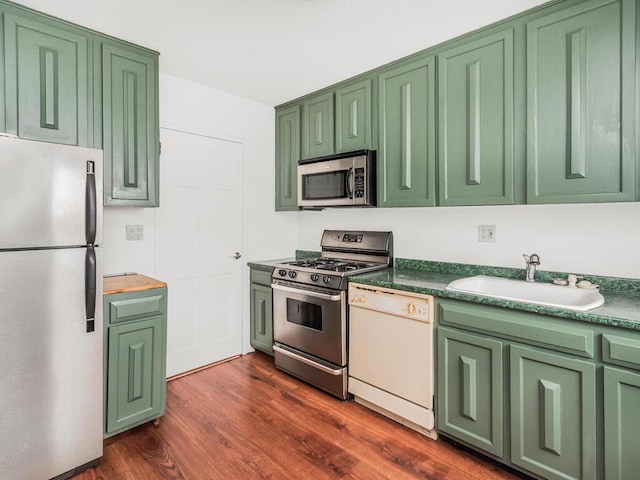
[323,296]
[311,363]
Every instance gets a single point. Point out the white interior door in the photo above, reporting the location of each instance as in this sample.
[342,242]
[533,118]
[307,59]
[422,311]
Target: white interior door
[199,230]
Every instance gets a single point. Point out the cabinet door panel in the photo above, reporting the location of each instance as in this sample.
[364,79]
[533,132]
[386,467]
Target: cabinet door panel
[580,104]
[47,81]
[135,365]
[261,318]
[317,126]
[287,156]
[553,414]
[475,101]
[130,127]
[621,423]
[353,117]
[470,389]
[406,156]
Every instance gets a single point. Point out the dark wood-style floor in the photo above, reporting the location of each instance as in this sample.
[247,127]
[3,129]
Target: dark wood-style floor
[244,419]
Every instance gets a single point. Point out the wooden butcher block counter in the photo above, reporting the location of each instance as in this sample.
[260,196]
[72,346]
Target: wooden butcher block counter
[130,283]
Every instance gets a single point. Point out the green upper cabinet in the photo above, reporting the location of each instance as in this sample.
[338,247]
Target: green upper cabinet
[353,117]
[287,156]
[475,127]
[581,104]
[47,79]
[406,153]
[65,84]
[317,126]
[130,127]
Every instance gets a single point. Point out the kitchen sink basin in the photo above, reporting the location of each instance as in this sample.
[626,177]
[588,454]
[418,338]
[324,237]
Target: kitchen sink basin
[547,294]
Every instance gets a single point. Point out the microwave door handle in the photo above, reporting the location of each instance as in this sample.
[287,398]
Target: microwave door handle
[349,186]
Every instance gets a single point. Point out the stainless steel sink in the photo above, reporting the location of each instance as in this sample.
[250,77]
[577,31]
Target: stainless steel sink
[547,294]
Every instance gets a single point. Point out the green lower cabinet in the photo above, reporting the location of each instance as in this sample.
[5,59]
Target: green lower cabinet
[135,359]
[523,388]
[261,311]
[261,318]
[621,424]
[407,125]
[553,414]
[470,386]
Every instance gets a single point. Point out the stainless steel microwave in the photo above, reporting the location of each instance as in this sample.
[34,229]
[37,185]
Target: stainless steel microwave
[343,180]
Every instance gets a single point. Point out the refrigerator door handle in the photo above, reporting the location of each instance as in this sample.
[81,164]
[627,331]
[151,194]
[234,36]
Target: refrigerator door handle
[91,213]
[90,287]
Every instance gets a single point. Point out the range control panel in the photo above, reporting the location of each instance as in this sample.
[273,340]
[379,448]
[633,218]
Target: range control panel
[352,238]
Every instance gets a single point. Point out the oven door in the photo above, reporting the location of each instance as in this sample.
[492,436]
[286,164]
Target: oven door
[311,321]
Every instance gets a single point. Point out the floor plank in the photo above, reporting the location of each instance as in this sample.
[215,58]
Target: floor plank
[245,419]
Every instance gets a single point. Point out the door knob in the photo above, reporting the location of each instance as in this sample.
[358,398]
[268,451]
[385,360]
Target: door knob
[237,255]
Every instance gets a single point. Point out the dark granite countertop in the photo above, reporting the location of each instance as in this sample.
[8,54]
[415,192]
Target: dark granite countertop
[621,308]
[622,295]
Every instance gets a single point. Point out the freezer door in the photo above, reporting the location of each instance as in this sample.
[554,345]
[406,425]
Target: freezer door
[47,195]
[51,400]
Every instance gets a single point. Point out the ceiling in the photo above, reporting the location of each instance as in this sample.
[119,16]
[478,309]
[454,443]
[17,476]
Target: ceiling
[272,51]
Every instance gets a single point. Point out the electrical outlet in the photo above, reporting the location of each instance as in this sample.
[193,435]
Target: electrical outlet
[486,233]
[135,232]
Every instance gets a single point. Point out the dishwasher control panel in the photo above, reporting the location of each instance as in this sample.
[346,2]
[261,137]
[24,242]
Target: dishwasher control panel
[394,302]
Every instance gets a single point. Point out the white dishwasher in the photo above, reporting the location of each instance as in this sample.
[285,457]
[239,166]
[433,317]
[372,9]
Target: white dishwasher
[391,354]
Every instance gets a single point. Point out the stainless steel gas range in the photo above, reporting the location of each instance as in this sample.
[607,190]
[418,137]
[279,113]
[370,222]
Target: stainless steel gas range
[310,306]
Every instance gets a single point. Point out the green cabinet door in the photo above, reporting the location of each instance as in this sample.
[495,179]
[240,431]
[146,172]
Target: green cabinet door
[130,126]
[317,126]
[47,79]
[553,414]
[406,154]
[353,117]
[475,128]
[287,156]
[135,384]
[581,104]
[470,389]
[261,328]
[621,424]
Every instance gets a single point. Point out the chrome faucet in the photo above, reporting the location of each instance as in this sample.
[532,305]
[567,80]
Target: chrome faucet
[533,261]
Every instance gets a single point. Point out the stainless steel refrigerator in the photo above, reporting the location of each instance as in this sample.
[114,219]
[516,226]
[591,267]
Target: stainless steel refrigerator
[51,387]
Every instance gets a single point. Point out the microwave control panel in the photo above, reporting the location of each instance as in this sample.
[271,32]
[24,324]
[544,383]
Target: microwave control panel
[358,183]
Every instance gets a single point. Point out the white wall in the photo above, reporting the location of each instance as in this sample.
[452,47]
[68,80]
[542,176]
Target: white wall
[599,239]
[191,107]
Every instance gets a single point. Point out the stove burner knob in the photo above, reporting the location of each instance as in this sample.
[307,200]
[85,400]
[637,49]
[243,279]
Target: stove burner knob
[282,272]
[315,277]
[326,279]
[292,274]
